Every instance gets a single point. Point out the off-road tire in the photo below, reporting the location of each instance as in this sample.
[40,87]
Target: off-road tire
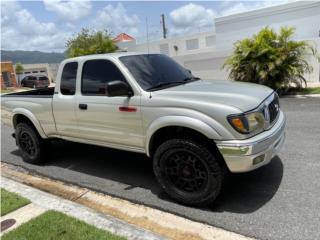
[26,134]
[211,186]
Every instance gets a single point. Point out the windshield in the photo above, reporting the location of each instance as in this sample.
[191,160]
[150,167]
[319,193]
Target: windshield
[156,70]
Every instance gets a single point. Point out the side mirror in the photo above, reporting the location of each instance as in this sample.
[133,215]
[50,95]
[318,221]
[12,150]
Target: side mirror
[118,88]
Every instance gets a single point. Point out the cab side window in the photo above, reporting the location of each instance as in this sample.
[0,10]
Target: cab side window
[95,75]
[68,78]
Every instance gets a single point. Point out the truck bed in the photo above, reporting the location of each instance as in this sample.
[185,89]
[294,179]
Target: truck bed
[43,92]
[34,104]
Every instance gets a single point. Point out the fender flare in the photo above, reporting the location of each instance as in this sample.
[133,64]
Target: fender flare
[28,114]
[179,121]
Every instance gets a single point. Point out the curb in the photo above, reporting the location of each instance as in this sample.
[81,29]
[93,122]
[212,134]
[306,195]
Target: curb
[162,223]
[47,201]
[301,96]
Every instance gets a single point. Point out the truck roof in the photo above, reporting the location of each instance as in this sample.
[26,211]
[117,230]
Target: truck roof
[115,55]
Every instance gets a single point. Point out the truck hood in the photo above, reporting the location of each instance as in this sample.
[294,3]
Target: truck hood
[244,96]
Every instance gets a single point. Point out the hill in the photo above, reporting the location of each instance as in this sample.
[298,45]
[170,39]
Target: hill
[31,57]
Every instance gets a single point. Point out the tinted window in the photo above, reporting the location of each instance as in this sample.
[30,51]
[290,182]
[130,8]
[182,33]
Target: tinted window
[149,70]
[32,78]
[68,78]
[95,75]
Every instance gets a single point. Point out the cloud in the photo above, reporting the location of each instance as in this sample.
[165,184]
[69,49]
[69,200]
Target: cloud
[191,16]
[116,19]
[21,30]
[71,10]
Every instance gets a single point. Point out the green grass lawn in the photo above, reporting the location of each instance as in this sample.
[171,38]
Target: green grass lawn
[58,226]
[11,201]
[315,90]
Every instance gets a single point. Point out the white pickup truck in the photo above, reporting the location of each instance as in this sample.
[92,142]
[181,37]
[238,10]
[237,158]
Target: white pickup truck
[194,130]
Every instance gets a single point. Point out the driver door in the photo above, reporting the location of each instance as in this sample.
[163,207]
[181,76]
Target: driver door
[111,120]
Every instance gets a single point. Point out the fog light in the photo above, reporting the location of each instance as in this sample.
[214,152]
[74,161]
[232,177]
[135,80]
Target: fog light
[258,159]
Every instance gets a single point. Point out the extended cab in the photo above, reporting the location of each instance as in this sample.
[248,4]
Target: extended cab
[194,130]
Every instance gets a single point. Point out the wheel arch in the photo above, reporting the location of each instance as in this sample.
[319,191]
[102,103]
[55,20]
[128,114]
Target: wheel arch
[24,115]
[178,126]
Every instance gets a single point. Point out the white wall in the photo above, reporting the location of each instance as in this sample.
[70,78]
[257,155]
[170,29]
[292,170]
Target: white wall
[206,62]
[304,16]
[180,42]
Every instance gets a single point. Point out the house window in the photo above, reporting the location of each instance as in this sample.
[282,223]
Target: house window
[192,44]
[164,48]
[210,41]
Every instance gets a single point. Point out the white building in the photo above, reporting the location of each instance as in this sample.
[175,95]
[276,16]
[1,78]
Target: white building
[205,53]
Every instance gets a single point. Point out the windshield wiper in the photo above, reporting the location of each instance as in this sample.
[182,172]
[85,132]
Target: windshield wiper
[164,84]
[190,79]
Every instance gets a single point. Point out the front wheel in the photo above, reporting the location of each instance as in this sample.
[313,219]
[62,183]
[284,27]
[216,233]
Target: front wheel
[188,172]
[33,148]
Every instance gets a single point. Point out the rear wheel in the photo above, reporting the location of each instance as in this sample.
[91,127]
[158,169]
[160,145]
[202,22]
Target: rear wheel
[188,172]
[33,148]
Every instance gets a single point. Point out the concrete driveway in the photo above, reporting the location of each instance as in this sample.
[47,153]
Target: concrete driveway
[279,201]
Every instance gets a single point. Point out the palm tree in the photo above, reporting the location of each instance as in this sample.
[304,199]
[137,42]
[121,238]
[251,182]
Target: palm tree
[271,59]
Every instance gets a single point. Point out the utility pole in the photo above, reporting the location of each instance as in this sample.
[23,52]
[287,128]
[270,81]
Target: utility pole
[164,30]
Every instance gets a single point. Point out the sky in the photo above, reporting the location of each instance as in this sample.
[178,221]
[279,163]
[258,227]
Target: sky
[46,25]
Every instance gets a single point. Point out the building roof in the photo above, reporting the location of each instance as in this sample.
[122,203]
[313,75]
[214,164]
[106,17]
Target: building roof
[266,11]
[123,37]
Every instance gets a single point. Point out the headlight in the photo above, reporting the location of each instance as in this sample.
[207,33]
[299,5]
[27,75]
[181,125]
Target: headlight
[248,123]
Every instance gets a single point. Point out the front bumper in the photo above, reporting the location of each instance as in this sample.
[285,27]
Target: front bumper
[249,154]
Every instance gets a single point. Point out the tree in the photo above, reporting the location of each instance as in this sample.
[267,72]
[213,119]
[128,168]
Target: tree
[271,59]
[19,70]
[90,42]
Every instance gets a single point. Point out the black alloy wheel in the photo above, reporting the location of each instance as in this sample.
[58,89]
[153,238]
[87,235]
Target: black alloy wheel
[33,148]
[188,172]
[26,143]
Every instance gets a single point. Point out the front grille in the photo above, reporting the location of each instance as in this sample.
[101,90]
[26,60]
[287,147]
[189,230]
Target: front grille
[274,108]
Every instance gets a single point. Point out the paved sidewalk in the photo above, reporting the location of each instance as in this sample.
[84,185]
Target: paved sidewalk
[42,201]
[22,215]
[158,222]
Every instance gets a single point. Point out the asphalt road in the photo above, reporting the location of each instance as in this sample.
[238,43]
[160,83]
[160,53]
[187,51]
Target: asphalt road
[278,201]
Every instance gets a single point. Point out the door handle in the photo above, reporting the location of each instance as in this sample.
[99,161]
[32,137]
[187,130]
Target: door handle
[83,106]
[127,109]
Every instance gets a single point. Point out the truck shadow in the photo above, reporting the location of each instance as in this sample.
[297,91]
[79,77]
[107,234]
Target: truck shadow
[242,193]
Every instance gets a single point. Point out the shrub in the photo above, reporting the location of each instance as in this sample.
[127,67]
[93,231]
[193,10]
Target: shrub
[270,58]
